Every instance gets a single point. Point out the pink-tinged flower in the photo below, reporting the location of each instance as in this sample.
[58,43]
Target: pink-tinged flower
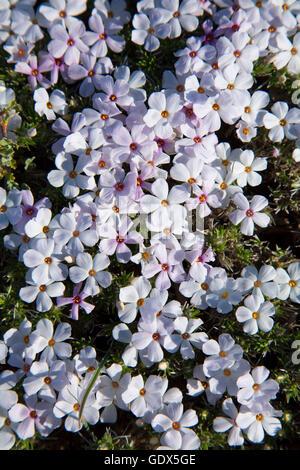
[199,260]
[54,65]
[116,234]
[249,214]
[223,424]
[30,209]
[68,43]
[103,35]
[33,71]
[77,300]
[168,265]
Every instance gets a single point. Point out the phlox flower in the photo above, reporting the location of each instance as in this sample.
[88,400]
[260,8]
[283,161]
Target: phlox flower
[249,214]
[68,43]
[10,210]
[149,28]
[114,10]
[288,54]
[289,282]
[151,335]
[168,265]
[41,293]
[111,387]
[90,71]
[92,271]
[46,378]
[69,176]
[52,342]
[175,423]
[258,418]
[45,265]
[69,403]
[115,235]
[256,385]
[182,15]
[200,383]
[163,112]
[31,416]
[260,282]
[40,224]
[72,234]
[163,205]
[85,362]
[30,208]
[115,92]
[193,57]
[7,430]
[22,341]
[32,69]
[223,294]
[186,337]
[223,424]
[256,315]
[59,11]
[49,105]
[145,396]
[246,170]
[132,298]
[77,300]
[282,122]
[103,35]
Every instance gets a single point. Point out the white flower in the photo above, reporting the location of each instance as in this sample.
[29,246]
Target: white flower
[248,166]
[256,315]
[289,282]
[175,424]
[255,385]
[44,104]
[261,417]
[281,122]
[222,424]
[91,269]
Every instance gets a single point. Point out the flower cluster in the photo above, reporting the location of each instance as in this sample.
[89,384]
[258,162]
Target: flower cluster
[139,174]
